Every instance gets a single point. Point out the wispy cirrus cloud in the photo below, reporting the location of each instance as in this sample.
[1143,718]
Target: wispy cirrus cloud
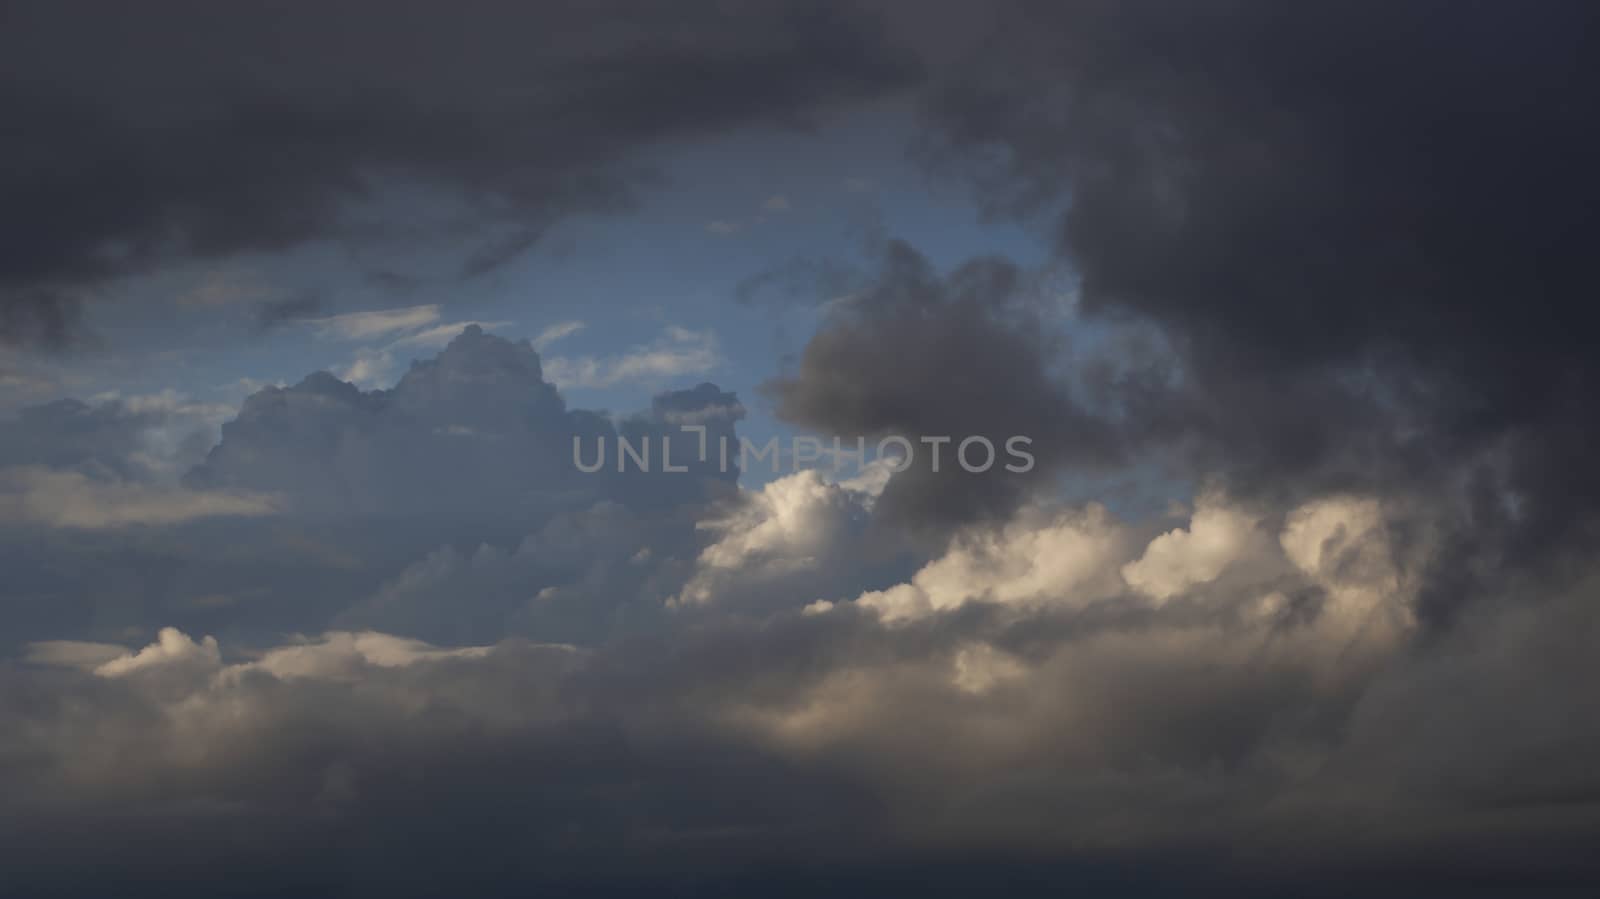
[678,352]
[53,498]
[559,331]
[371,366]
[373,323]
[439,335]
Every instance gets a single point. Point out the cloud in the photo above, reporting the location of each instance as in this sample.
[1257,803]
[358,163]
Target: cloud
[21,386]
[1068,678]
[172,647]
[376,323]
[476,433]
[1345,293]
[329,446]
[1336,549]
[69,499]
[440,335]
[320,162]
[79,654]
[1040,558]
[40,315]
[225,286]
[793,526]
[375,366]
[678,353]
[174,430]
[471,448]
[336,655]
[71,433]
[556,332]
[344,655]
[1017,683]
[956,729]
[1343,543]
[288,309]
[569,581]
[1374,276]
[1217,535]
[369,368]
[919,354]
[150,437]
[447,508]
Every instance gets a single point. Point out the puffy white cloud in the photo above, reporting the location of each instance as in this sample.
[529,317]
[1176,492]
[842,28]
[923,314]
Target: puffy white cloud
[1068,559]
[1342,544]
[1326,537]
[172,648]
[790,526]
[1040,558]
[1217,535]
[870,481]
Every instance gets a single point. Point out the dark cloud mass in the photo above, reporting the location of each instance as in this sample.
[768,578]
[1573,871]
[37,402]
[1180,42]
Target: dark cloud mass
[1367,228]
[914,353]
[174,130]
[1300,598]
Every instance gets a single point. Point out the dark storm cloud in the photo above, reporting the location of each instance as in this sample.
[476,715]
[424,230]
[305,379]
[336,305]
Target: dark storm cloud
[1367,229]
[1331,253]
[181,130]
[915,353]
[1216,735]
[1138,740]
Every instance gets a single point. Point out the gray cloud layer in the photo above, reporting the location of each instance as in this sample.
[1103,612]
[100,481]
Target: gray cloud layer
[721,687]
[1330,277]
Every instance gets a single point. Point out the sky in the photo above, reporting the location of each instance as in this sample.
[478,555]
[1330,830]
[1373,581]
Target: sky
[1277,319]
